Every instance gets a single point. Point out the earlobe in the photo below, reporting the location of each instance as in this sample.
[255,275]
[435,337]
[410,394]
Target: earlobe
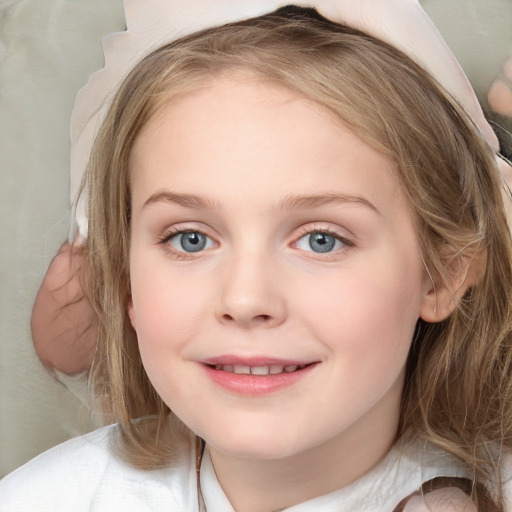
[131,313]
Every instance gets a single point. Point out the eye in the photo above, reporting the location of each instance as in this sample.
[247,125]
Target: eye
[320,242]
[189,241]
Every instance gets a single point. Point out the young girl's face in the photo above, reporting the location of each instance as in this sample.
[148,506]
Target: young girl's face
[276,274]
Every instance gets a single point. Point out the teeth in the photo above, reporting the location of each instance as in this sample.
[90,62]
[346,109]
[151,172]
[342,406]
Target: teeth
[242,370]
[258,370]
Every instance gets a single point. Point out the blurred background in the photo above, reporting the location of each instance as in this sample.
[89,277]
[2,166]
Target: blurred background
[48,49]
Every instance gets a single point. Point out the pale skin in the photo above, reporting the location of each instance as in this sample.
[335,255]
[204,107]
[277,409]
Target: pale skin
[61,287]
[66,341]
[55,335]
[258,471]
[264,181]
[294,471]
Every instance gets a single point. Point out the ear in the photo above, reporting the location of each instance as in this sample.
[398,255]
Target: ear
[131,313]
[442,297]
[438,304]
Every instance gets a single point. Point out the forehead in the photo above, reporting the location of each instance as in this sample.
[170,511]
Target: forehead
[246,134]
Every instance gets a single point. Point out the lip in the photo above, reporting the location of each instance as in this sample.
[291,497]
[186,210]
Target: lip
[255,385]
[253,361]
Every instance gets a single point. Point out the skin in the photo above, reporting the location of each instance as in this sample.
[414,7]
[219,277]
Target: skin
[500,92]
[259,289]
[64,325]
[66,342]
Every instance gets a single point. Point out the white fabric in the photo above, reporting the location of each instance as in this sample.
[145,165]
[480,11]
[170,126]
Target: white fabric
[83,475]
[152,23]
[399,474]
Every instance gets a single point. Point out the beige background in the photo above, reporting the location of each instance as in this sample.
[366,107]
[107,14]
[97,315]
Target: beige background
[50,47]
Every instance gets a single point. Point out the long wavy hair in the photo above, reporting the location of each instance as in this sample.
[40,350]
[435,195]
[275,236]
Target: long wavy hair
[458,388]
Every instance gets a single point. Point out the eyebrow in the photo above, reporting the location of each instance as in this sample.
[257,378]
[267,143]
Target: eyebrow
[290,202]
[186,200]
[297,202]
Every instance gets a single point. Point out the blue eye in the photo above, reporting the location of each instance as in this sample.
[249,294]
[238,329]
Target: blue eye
[319,242]
[190,241]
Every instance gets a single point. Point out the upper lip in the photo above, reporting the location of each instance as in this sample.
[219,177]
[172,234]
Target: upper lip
[253,361]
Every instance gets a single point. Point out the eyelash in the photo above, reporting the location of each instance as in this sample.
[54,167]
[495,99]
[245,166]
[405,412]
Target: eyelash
[174,232]
[183,255]
[347,243]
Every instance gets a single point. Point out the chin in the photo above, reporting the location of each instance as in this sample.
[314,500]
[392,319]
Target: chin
[261,447]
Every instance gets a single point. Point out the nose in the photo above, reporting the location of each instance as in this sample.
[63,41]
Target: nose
[251,293]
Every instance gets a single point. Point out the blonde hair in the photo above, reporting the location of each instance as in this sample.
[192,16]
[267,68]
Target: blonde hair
[458,387]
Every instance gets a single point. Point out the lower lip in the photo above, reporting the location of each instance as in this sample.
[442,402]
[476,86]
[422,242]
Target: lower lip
[255,385]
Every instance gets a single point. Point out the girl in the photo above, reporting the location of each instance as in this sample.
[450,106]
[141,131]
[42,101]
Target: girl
[298,253]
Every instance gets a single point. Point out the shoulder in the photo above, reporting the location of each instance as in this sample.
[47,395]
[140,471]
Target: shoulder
[448,499]
[84,474]
[73,467]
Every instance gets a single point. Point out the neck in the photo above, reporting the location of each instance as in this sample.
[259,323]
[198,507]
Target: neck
[264,485]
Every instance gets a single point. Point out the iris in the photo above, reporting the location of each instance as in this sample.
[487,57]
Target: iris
[321,242]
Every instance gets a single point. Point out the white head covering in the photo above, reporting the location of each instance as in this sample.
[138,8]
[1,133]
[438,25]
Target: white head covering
[153,23]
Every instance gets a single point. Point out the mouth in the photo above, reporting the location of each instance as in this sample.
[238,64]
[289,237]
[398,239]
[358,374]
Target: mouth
[258,376]
[262,371]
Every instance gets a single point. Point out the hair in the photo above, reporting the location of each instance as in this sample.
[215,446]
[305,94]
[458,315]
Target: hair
[458,387]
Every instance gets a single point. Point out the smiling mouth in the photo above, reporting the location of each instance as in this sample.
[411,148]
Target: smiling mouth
[256,377]
[258,370]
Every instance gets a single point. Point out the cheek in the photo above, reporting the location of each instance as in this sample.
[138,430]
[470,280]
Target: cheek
[167,319]
[370,314]
[164,313]
[367,328]
[168,306]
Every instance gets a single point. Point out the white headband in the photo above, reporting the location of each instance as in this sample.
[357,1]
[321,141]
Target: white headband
[153,23]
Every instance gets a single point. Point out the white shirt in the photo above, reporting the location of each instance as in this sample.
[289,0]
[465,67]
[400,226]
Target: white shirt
[85,475]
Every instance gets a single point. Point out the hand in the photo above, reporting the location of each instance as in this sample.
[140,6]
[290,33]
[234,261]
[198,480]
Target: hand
[64,325]
[500,92]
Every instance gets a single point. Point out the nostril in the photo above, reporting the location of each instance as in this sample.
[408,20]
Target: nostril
[255,318]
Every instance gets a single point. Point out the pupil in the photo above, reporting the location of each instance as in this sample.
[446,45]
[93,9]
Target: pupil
[193,242]
[321,242]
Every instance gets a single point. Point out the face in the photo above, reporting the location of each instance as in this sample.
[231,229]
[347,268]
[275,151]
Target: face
[275,270]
